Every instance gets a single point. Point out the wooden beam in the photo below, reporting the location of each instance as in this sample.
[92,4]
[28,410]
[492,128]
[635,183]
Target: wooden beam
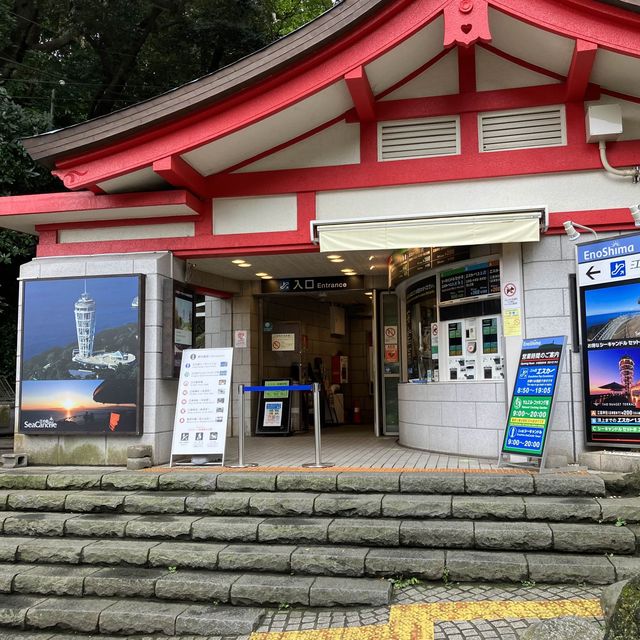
[180,174]
[361,94]
[584,55]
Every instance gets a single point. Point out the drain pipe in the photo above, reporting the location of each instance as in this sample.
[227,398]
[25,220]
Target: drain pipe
[633,172]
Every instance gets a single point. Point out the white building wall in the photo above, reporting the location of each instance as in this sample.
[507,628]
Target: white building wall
[546,267]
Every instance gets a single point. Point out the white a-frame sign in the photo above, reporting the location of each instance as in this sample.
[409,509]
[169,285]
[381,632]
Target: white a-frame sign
[202,407]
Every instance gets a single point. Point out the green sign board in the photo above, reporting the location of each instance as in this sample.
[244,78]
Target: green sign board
[536,382]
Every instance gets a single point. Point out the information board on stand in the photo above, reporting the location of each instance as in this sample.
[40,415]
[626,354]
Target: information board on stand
[531,406]
[202,407]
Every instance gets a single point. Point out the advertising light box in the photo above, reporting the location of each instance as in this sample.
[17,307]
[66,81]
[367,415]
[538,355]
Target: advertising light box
[609,281]
[82,357]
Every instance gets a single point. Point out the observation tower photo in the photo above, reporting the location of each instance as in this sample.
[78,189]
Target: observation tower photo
[85,315]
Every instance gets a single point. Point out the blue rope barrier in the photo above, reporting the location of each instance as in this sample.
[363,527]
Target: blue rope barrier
[293,387]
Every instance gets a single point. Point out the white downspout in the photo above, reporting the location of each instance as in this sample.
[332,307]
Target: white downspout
[633,173]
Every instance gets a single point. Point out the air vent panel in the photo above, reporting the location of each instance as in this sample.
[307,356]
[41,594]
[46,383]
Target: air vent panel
[522,129]
[424,138]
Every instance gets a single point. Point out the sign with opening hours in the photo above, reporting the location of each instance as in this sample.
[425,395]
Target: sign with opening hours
[533,393]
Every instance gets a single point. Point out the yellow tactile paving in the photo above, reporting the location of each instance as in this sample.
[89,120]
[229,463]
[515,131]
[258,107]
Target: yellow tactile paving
[416,621]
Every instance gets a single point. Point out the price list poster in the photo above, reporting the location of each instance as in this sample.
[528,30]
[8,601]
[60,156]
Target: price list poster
[533,393]
[202,406]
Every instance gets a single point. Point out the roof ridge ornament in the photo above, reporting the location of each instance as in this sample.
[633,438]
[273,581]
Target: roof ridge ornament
[466,22]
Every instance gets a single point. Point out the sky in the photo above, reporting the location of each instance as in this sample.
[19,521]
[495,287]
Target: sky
[621,298]
[49,319]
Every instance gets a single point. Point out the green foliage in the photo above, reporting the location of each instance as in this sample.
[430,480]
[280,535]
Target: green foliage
[400,582]
[172,569]
[18,173]
[624,624]
[620,522]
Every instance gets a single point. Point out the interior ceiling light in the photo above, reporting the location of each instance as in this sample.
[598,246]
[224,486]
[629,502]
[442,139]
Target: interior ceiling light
[267,277]
[262,274]
[371,258]
[244,265]
[337,259]
[238,261]
[333,257]
[373,266]
[345,270]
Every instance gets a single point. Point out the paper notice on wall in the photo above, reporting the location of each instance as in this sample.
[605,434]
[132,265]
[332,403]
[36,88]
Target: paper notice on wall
[512,322]
[283,342]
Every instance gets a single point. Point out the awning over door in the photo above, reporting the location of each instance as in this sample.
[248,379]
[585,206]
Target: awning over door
[428,231]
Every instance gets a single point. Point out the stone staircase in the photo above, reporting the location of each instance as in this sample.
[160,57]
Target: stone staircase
[202,553]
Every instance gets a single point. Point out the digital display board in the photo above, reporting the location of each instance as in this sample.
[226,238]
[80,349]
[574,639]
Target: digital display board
[409,262]
[470,281]
[532,401]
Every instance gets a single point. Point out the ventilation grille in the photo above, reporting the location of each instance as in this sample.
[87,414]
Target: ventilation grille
[419,138]
[522,129]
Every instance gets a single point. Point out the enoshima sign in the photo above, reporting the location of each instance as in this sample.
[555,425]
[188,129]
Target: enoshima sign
[609,281]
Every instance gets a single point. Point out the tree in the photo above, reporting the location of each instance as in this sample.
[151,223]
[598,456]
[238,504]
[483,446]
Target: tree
[83,58]
[18,175]
[64,61]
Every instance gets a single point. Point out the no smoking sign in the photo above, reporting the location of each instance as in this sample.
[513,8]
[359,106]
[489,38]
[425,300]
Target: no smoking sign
[510,289]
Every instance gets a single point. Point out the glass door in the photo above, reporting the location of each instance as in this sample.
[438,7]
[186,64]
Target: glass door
[389,354]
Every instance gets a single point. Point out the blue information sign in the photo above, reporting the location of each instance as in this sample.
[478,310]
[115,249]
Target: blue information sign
[533,393]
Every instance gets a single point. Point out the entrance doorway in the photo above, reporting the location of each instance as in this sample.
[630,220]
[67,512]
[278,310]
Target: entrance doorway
[326,339]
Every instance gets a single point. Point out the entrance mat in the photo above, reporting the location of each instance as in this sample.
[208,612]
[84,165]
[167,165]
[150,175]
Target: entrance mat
[418,621]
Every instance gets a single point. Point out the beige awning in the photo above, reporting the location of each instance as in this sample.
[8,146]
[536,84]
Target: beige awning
[428,231]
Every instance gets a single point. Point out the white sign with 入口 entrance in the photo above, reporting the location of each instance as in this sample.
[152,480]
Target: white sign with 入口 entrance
[202,407]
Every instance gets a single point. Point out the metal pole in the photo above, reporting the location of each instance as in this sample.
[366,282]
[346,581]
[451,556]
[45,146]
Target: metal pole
[241,463]
[318,464]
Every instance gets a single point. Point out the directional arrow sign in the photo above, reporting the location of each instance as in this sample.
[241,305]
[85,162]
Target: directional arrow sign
[592,272]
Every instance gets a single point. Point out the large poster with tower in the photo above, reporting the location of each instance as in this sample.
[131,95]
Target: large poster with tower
[81,364]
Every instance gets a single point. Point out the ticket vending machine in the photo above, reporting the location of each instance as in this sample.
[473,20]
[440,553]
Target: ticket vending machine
[473,348]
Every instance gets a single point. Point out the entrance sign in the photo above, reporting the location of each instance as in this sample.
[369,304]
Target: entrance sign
[313,284]
[609,281]
[202,407]
[533,393]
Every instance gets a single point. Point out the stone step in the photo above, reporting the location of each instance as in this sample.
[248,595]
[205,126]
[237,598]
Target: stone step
[300,504]
[188,585]
[125,617]
[504,483]
[350,561]
[352,531]
[308,583]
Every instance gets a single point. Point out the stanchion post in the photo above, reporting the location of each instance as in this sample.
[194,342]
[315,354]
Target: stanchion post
[241,463]
[318,464]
